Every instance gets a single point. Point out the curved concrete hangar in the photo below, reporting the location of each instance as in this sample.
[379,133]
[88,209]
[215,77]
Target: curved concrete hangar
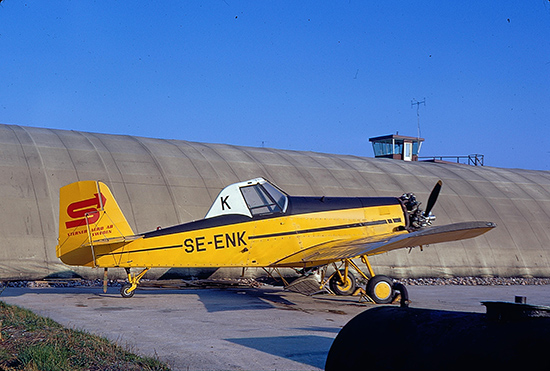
[165,182]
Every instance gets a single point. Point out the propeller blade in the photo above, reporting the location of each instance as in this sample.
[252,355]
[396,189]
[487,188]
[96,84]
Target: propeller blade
[433,198]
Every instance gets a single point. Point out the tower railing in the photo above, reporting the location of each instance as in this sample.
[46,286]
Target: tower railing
[474,159]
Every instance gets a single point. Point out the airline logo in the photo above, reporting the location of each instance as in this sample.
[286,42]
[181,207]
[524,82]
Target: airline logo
[86,209]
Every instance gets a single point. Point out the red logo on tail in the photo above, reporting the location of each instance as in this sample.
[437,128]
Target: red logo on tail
[81,210]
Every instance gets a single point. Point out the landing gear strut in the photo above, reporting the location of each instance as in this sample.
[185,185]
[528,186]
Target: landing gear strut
[128,290]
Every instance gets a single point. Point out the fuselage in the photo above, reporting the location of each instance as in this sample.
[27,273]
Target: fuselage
[235,240]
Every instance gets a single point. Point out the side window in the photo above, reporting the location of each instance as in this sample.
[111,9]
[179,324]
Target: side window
[259,201]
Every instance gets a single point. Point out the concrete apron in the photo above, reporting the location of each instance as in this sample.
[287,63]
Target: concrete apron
[204,329]
[217,329]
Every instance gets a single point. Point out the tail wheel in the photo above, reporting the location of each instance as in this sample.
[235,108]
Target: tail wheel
[125,291]
[342,288]
[380,289]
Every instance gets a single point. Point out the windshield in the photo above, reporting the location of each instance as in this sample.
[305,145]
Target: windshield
[264,199]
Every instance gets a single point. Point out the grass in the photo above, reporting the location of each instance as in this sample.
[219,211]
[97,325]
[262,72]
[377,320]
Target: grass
[31,342]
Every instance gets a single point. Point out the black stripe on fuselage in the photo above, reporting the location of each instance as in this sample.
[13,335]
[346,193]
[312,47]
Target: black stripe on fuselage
[296,206]
[325,229]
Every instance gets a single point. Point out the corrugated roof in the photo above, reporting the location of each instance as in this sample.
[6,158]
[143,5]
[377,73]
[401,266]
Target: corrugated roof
[166,182]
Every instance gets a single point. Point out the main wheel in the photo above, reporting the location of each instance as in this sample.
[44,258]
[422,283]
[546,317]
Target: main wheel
[342,288]
[380,289]
[124,291]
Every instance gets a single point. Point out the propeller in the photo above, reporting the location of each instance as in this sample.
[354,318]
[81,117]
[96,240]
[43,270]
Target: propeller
[433,198]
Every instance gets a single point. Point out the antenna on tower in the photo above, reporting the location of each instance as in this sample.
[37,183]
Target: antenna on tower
[415,102]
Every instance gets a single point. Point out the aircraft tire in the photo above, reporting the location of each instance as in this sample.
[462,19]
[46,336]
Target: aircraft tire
[125,293]
[339,289]
[380,289]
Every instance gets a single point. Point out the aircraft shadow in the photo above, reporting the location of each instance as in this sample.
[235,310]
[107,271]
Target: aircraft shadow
[311,350]
[18,291]
[241,299]
[214,300]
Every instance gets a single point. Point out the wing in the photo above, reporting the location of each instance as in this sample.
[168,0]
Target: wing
[346,249]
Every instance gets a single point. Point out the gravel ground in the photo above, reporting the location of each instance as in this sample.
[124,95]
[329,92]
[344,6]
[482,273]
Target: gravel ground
[60,283]
[427,281]
[75,282]
[475,281]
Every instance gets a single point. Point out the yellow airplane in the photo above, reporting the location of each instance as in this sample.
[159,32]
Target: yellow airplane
[255,224]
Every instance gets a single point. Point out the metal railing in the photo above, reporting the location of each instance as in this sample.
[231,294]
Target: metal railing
[474,160]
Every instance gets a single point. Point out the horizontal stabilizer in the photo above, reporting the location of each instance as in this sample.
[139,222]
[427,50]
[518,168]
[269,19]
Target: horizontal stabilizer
[114,240]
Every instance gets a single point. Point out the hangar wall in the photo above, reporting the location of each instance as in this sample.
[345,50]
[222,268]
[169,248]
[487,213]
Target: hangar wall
[160,182]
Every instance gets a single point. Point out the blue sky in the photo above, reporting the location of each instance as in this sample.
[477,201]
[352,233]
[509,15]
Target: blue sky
[308,75]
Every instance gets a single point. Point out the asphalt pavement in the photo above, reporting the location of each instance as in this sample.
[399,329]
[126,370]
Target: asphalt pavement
[262,328]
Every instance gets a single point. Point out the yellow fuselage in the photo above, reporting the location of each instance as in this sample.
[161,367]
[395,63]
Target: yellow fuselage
[238,241]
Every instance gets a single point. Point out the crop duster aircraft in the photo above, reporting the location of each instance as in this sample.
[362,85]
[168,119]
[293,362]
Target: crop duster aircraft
[255,224]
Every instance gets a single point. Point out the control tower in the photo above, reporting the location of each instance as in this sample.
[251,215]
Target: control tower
[396,146]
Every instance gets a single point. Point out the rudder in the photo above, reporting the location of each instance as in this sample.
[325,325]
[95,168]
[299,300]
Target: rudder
[88,214]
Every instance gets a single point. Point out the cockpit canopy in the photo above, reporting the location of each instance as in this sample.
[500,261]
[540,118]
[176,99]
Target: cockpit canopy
[253,197]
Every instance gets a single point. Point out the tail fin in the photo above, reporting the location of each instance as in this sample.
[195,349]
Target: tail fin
[88,213]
